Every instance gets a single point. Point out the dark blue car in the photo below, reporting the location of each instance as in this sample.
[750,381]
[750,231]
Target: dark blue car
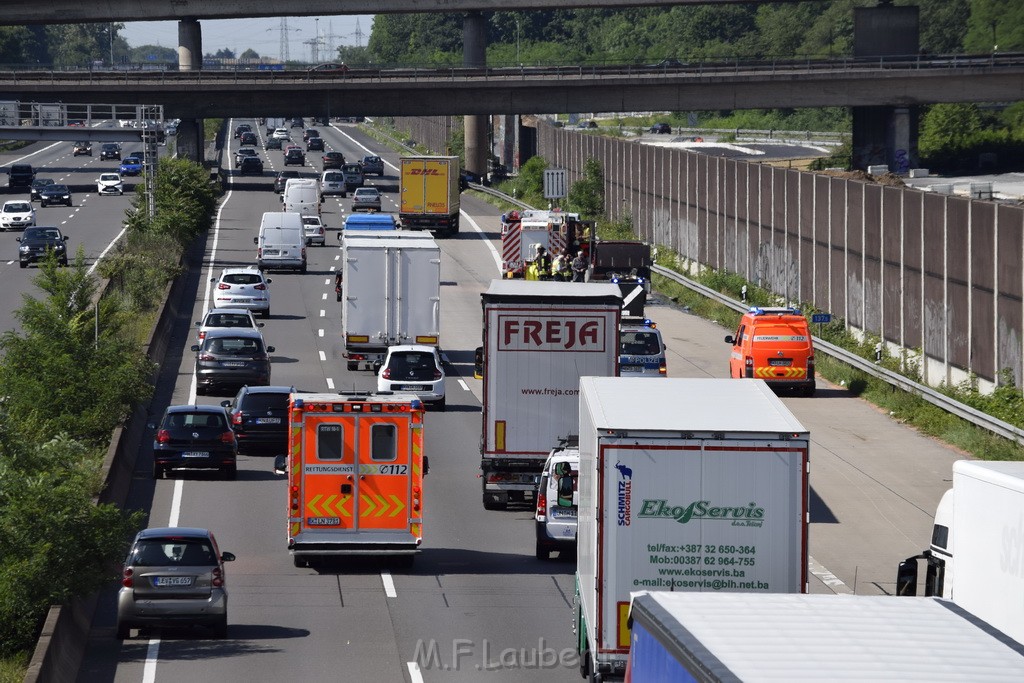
[131,166]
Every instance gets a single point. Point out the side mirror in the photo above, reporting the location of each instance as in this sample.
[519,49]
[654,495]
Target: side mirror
[227,557]
[226,403]
[339,235]
[255,240]
[151,425]
[19,239]
[269,280]
[281,199]
[280,464]
[195,348]
[478,363]
[260,324]
[426,465]
[906,576]
[212,279]
[199,323]
[271,349]
[729,339]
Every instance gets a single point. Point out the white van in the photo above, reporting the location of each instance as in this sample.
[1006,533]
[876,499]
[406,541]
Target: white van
[281,243]
[555,517]
[301,196]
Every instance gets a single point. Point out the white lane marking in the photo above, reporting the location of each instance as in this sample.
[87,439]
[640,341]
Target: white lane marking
[389,584]
[152,654]
[39,151]
[320,332]
[414,672]
[325,296]
[323,357]
[828,578]
[176,502]
[328,280]
[337,256]
[330,383]
[494,252]
[323,313]
[463,384]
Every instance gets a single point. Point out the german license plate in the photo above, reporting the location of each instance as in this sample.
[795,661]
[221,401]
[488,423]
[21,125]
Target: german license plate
[241,300]
[165,581]
[323,521]
[779,361]
[630,368]
[411,387]
[271,252]
[563,513]
[268,420]
[234,364]
[196,454]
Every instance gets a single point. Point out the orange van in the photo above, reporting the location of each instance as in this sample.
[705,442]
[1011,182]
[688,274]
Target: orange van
[774,344]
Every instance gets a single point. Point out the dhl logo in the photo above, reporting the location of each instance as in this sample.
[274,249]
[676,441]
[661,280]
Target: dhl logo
[779,372]
[424,171]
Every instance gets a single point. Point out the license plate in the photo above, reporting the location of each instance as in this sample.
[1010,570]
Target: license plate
[779,361]
[163,581]
[234,364]
[563,513]
[242,300]
[630,368]
[268,420]
[323,521]
[411,387]
[271,252]
[196,454]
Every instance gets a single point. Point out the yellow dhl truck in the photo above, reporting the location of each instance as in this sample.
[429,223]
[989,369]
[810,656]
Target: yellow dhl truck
[429,188]
[355,471]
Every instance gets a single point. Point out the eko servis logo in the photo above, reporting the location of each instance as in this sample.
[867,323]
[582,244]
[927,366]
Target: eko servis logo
[625,493]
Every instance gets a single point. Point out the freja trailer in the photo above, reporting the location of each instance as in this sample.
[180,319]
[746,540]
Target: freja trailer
[684,485]
[539,339]
[732,637]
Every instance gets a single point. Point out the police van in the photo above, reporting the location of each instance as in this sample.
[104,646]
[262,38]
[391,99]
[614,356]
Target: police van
[641,350]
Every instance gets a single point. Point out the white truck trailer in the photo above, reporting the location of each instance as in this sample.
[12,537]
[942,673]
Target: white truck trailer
[392,295]
[684,485]
[978,538]
[539,339]
[731,637]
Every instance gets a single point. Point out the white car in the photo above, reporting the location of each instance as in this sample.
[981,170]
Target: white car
[281,134]
[245,152]
[313,230]
[17,214]
[333,183]
[414,369]
[242,288]
[225,318]
[109,183]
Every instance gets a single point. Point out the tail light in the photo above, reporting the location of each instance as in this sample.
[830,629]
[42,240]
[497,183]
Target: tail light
[260,286]
[386,374]
[236,418]
[223,285]
[259,252]
[127,578]
[416,498]
[662,369]
[810,367]
[437,374]
[217,581]
[542,505]
[207,356]
[295,497]
[202,336]
[303,252]
[227,437]
[748,365]
[163,436]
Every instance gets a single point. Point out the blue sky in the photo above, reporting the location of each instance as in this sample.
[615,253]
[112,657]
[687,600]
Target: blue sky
[262,35]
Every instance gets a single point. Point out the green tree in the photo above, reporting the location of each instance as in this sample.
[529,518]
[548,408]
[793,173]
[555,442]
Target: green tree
[79,45]
[944,25]
[948,128]
[995,22]
[250,54]
[587,195]
[70,368]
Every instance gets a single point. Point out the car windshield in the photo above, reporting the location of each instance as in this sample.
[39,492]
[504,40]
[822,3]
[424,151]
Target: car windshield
[242,278]
[132,160]
[110,146]
[162,552]
[233,346]
[194,420]
[228,320]
[310,220]
[333,177]
[57,188]
[110,177]
[367,192]
[42,182]
[17,207]
[264,402]
[412,365]
[639,343]
[42,234]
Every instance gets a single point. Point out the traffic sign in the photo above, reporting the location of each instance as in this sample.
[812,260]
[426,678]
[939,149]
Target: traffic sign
[555,183]
[821,317]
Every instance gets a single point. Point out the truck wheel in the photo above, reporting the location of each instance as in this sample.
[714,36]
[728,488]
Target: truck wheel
[542,552]
[230,472]
[124,631]
[353,365]
[158,472]
[299,561]
[220,629]
[495,501]
[404,562]
[585,663]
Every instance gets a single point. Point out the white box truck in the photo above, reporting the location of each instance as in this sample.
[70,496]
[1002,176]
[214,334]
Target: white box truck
[392,295]
[752,638]
[539,339]
[978,538]
[684,485]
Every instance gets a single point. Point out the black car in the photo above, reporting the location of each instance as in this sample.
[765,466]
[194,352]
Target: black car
[242,128]
[661,128]
[273,143]
[110,150]
[310,133]
[55,194]
[315,144]
[248,138]
[82,147]
[283,178]
[298,123]
[231,359]
[36,241]
[37,186]
[333,160]
[250,166]
[194,437]
[295,155]
[259,416]
[20,175]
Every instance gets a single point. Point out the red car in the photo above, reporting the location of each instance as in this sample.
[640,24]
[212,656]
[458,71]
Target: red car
[333,160]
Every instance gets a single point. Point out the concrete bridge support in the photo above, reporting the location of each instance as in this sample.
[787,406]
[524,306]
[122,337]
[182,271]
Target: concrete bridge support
[474,54]
[190,58]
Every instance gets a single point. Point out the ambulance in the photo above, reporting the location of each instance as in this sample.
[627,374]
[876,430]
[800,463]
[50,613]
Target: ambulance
[355,470]
[774,344]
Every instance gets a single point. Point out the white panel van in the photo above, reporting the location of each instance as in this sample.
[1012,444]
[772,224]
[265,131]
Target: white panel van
[281,243]
[301,196]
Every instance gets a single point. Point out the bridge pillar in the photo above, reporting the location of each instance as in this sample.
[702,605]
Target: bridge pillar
[190,58]
[474,54]
[885,135]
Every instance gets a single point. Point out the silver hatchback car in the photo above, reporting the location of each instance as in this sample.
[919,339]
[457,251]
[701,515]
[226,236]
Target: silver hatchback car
[173,577]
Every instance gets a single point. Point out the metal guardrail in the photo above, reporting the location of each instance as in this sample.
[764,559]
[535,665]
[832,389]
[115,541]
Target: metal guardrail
[965,412]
